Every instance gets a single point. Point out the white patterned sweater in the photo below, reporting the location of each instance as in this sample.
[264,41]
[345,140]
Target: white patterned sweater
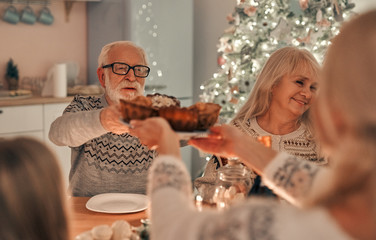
[174,216]
[298,143]
[102,162]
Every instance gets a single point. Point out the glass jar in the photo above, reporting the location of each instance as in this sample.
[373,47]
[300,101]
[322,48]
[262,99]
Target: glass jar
[232,185]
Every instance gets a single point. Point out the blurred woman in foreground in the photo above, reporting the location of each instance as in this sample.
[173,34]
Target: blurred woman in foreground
[337,202]
[32,195]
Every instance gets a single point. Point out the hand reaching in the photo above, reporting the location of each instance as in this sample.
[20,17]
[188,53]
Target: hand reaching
[221,141]
[156,133]
[110,119]
[227,141]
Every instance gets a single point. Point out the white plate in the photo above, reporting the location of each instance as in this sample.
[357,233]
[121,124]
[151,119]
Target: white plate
[117,203]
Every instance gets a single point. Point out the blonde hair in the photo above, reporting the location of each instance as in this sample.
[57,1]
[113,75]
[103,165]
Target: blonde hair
[32,196]
[284,61]
[345,108]
[103,56]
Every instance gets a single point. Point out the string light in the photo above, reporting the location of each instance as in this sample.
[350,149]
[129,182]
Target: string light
[147,37]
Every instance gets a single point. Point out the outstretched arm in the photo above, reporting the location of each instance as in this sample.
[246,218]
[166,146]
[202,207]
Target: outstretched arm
[156,133]
[228,141]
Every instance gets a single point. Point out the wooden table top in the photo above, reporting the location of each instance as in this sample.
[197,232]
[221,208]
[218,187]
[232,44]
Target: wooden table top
[83,220]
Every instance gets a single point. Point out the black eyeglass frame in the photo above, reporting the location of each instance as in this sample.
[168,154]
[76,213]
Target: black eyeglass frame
[129,68]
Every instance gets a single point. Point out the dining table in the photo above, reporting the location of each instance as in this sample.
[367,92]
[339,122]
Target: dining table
[82,219]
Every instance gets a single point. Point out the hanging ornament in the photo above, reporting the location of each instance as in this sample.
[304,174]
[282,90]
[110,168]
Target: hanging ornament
[234,100]
[337,11]
[235,89]
[230,19]
[250,11]
[221,60]
[303,4]
[323,23]
[307,39]
[282,31]
[319,16]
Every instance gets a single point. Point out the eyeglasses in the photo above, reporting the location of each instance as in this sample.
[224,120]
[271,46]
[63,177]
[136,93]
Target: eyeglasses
[123,69]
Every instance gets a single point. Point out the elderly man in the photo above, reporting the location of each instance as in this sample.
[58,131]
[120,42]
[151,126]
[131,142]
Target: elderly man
[105,158]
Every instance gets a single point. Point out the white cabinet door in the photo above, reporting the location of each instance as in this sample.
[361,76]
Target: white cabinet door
[21,119]
[51,112]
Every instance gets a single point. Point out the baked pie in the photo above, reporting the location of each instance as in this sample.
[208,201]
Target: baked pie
[199,116]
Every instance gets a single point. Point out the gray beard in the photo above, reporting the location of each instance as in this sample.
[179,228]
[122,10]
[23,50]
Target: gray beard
[114,94]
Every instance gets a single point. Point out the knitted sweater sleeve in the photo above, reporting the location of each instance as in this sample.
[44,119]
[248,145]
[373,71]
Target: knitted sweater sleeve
[76,126]
[294,179]
[174,216]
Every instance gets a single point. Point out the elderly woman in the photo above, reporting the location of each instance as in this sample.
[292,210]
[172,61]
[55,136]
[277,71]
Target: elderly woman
[278,106]
[340,202]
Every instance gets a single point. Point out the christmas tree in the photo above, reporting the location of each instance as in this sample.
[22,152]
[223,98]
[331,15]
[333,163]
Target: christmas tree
[258,28]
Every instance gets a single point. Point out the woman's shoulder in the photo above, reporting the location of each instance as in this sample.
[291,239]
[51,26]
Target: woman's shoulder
[247,126]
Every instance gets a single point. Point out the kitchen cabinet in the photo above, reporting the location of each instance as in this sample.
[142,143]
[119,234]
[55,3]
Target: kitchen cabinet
[22,120]
[63,153]
[34,121]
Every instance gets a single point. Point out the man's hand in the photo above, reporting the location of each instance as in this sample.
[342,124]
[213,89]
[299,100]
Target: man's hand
[110,120]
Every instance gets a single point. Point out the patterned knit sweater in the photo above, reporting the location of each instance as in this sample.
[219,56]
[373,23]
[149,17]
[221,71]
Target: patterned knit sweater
[102,162]
[174,216]
[298,143]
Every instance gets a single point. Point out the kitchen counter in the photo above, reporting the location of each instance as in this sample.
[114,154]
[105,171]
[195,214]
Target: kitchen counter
[20,101]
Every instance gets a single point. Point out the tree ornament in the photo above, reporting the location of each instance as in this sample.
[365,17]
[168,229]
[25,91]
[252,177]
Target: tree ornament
[221,60]
[250,11]
[303,4]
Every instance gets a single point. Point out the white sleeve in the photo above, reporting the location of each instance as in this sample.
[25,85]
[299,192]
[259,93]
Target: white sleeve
[294,179]
[173,215]
[75,128]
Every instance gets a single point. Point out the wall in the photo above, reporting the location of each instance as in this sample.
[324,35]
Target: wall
[35,48]
[209,25]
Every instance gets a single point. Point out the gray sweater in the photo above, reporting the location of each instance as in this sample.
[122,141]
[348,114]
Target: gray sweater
[102,162]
